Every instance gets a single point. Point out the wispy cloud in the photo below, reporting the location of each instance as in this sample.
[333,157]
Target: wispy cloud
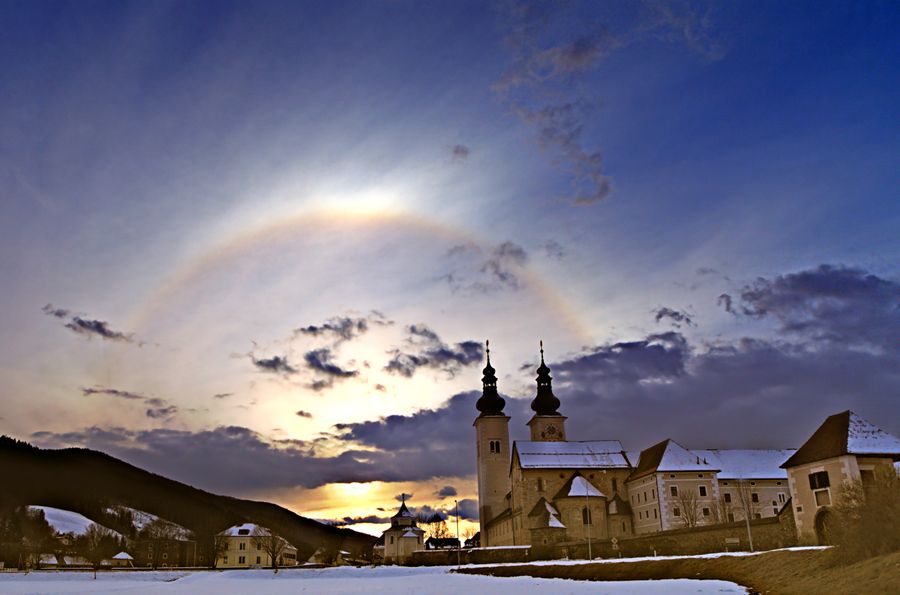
[87,327]
[425,349]
[675,317]
[496,268]
[276,364]
[157,408]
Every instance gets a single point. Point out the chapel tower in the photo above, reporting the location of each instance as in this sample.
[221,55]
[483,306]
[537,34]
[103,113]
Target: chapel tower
[547,425]
[492,435]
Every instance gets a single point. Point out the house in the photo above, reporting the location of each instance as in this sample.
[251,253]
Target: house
[844,448]
[120,560]
[403,537]
[245,547]
[474,541]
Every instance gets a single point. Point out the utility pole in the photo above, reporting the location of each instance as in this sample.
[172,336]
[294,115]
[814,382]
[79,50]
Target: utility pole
[457,535]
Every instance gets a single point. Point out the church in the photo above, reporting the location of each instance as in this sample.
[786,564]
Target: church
[552,491]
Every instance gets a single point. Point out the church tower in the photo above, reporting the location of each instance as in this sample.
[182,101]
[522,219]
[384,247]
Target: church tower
[547,425]
[492,435]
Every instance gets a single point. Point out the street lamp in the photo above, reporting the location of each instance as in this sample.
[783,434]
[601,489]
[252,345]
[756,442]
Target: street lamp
[456,502]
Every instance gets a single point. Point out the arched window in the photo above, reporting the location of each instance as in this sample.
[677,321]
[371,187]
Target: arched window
[586,515]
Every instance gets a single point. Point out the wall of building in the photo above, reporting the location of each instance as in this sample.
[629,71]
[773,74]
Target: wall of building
[771,496]
[242,552]
[643,495]
[492,467]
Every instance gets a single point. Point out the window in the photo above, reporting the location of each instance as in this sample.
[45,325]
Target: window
[699,475]
[676,511]
[586,515]
[242,560]
[823,498]
[623,527]
[494,446]
[243,531]
[224,559]
[753,483]
[165,556]
[757,516]
[818,480]
[778,483]
[775,510]
[392,539]
[727,497]
[645,496]
[730,517]
[754,497]
[674,491]
[242,546]
[781,497]
[705,512]
[540,483]
[614,485]
[653,494]
[258,560]
[671,476]
[703,491]
[654,513]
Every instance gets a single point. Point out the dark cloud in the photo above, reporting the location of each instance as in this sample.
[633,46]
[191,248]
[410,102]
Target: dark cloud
[428,351]
[380,388]
[468,509]
[343,328]
[446,492]
[320,360]
[554,250]
[727,302]
[112,392]
[276,364]
[484,271]
[676,317]
[166,412]
[403,496]
[222,395]
[460,152]
[87,327]
[348,521]
[304,414]
[834,304]
[157,408]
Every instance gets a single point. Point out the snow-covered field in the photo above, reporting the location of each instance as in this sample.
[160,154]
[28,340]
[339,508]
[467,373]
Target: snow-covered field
[65,521]
[385,579]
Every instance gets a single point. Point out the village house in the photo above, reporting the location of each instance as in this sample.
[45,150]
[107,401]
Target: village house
[245,548]
[845,448]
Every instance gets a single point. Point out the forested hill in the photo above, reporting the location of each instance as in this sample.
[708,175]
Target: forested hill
[87,481]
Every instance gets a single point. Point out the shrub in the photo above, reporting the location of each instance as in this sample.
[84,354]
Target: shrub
[865,520]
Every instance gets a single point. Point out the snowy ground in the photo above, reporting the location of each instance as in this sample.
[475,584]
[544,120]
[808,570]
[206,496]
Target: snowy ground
[385,579]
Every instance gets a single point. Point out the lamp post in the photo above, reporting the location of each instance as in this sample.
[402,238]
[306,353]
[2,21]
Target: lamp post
[456,502]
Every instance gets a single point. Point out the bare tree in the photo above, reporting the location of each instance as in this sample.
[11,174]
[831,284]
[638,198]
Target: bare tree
[437,527]
[272,544]
[159,534]
[211,542]
[747,505]
[98,543]
[689,507]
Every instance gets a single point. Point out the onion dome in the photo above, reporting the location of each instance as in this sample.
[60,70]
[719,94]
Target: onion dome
[545,402]
[490,402]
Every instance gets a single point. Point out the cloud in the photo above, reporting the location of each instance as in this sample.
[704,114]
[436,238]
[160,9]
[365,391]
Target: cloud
[112,392]
[304,414]
[348,521]
[446,492]
[222,395]
[320,360]
[553,48]
[676,317]
[276,364]
[460,153]
[498,268]
[830,303]
[343,328]
[157,408]
[429,351]
[403,496]
[87,327]
[553,250]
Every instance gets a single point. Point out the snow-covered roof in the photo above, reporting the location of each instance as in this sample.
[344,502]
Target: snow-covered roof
[67,521]
[48,559]
[122,556]
[244,530]
[845,433]
[596,454]
[410,533]
[552,521]
[747,463]
[866,438]
[582,487]
[669,456]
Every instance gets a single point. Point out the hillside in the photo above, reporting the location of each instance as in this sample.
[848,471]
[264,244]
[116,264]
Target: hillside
[91,483]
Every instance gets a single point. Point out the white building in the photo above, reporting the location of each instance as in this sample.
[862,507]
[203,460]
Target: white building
[245,548]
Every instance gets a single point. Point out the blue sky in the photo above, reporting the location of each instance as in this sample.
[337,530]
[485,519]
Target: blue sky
[188,186]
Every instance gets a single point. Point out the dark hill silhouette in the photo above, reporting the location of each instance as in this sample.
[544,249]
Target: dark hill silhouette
[88,481]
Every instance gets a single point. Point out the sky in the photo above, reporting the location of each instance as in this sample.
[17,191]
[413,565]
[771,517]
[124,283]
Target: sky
[258,247]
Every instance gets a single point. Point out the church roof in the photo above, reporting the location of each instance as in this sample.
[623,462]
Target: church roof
[545,402]
[546,515]
[578,486]
[668,455]
[596,454]
[845,433]
[403,512]
[746,463]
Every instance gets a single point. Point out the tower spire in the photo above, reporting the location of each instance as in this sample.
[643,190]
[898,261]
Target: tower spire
[490,403]
[545,402]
